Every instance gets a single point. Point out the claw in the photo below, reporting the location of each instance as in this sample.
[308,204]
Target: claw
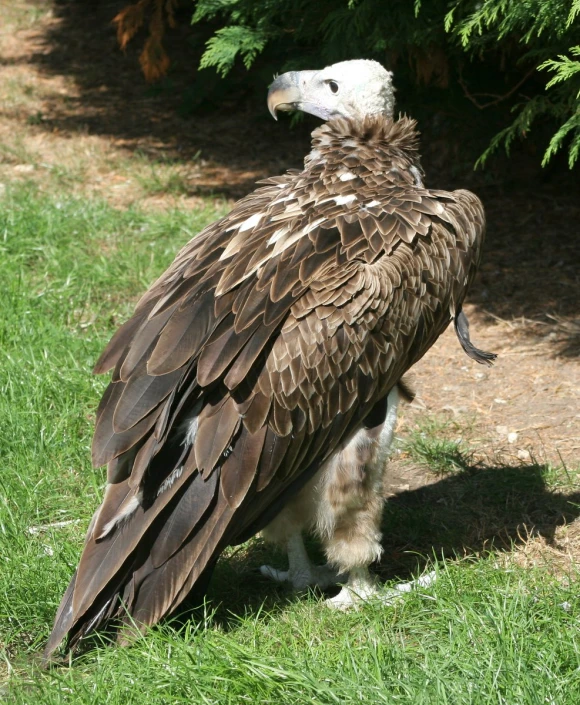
[301,573]
[362,587]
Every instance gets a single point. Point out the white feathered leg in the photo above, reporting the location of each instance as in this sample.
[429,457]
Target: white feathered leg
[350,503]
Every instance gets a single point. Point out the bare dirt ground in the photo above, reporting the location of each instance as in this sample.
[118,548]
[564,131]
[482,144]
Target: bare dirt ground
[75,114]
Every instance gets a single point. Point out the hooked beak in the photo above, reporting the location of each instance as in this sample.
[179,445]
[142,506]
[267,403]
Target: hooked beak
[291,91]
[284,93]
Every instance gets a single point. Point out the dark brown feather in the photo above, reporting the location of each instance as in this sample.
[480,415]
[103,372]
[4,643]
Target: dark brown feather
[140,396]
[183,336]
[267,343]
[220,351]
[273,453]
[188,512]
[158,590]
[239,470]
[248,355]
[118,344]
[109,444]
[214,435]
[462,330]
[257,413]
[139,351]
[101,561]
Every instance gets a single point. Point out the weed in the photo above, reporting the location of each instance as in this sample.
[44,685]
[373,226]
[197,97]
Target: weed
[428,446]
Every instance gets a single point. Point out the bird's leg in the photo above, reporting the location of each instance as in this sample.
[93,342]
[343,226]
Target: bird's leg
[301,573]
[351,501]
[349,513]
[286,530]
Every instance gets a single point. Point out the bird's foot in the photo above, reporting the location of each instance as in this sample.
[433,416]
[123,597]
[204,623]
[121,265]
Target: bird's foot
[362,587]
[304,576]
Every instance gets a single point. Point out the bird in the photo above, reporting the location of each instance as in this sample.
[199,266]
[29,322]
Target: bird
[255,387]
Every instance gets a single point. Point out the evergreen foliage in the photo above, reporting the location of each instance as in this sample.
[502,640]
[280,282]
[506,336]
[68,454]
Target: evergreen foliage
[521,55]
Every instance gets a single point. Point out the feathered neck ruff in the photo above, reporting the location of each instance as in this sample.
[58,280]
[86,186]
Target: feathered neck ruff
[395,137]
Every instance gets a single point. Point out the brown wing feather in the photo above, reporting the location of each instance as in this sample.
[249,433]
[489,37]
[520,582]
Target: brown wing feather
[119,344]
[141,394]
[102,560]
[183,336]
[109,444]
[158,590]
[139,350]
[239,470]
[215,435]
[263,346]
[193,504]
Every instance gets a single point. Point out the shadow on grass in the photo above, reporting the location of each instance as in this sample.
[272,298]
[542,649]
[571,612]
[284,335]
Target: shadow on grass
[472,512]
[480,509]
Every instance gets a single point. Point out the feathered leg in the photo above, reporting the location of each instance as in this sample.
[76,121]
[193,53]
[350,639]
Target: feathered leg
[351,506]
[286,531]
[343,503]
[351,503]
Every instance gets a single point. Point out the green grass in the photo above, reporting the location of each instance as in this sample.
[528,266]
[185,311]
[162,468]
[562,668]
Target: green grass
[428,446]
[482,635]
[160,176]
[70,270]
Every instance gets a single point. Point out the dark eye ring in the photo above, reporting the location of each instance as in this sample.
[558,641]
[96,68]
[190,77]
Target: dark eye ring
[333,85]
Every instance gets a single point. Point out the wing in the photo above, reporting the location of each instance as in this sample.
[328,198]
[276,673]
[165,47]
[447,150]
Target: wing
[262,348]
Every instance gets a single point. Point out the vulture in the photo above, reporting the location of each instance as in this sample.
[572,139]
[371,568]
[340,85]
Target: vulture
[255,387]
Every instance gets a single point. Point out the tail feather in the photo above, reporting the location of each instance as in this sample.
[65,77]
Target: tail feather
[63,621]
[462,331]
[110,564]
[188,512]
[164,587]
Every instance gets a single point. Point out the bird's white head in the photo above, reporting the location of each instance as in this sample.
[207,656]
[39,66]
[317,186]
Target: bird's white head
[350,89]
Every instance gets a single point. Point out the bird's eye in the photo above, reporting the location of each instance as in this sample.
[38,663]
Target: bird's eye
[333,85]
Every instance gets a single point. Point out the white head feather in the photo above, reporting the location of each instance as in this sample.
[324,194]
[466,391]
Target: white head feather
[353,89]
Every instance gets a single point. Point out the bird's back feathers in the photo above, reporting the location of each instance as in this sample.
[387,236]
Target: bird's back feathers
[264,346]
